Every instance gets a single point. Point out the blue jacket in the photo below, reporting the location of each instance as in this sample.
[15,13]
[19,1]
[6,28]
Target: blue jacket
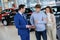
[20,24]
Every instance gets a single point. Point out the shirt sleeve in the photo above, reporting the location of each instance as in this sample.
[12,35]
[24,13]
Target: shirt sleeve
[54,21]
[32,20]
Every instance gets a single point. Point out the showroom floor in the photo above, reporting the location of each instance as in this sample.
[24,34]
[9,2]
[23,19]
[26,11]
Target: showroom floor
[10,33]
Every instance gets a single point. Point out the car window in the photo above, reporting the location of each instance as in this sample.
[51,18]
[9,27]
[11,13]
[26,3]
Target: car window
[8,10]
[54,9]
[58,9]
[32,8]
[28,10]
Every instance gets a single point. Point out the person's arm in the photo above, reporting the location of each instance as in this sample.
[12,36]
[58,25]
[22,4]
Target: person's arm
[16,20]
[54,21]
[43,21]
[32,20]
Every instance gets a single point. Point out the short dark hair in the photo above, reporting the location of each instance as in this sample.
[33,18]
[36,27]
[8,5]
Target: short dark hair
[21,6]
[51,11]
[38,6]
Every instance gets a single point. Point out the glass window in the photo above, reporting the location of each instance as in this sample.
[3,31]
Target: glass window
[0,3]
[57,0]
[33,1]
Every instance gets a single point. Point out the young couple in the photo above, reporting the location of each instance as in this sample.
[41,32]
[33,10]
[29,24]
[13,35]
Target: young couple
[43,22]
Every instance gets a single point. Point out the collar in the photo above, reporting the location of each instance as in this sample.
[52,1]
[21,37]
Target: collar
[20,13]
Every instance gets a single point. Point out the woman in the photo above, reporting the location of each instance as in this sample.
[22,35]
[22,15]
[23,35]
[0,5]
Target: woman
[51,23]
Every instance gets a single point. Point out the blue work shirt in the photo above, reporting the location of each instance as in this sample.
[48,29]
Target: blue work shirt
[38,20]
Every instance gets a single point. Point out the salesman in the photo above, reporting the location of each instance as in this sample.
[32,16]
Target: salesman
[22,24]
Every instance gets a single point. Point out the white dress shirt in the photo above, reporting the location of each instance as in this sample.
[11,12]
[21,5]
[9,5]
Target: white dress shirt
[49,19]
[20,13]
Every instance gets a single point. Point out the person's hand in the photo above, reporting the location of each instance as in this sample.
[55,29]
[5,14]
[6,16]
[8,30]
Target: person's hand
[33,27]
[45,19]
[28,26]
[36,21]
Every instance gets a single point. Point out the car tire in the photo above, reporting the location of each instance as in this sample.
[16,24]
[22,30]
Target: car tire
[5,23]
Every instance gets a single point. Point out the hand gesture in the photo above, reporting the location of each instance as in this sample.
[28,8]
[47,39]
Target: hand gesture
[28,26]
[36,21]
